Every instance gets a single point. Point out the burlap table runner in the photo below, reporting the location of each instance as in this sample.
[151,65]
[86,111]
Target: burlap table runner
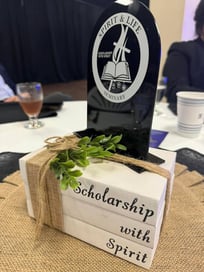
[181,246]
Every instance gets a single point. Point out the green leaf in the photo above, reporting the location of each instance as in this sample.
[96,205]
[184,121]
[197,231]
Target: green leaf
[97,139]
[104,154]
[105,139]
[63,156]
[111,146]
[75,173]
[64,184]
[94,152]
[74,184]
[116,139]
[82,163]
[84,141]
[121,147]
[68,164]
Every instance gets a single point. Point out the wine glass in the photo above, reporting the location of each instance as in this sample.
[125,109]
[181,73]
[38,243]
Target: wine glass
[30,96]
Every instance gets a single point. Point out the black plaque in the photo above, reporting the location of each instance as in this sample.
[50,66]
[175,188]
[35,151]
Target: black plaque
[123,66]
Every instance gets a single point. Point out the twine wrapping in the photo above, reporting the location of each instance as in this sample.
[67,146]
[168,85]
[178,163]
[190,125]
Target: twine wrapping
[44,188]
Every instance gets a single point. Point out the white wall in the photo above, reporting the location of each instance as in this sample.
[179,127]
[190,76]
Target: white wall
[188,31]
[169,19]
[174,19]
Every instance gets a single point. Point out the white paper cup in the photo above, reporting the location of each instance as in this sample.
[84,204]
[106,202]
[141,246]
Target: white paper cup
[190,113]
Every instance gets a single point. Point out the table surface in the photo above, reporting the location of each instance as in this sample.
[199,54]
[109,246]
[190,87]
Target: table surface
[167,121]
[73,117]
[15,138]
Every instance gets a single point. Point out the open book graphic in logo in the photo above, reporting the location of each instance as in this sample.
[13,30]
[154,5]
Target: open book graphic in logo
[118,70]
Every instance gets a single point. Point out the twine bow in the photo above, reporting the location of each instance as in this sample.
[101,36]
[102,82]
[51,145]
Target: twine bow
[56,144]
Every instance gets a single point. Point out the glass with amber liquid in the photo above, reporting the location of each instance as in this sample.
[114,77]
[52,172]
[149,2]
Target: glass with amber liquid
[30,96]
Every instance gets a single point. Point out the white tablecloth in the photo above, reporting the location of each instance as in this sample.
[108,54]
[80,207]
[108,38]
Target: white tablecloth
[167,121]
[73,117]
[15,138]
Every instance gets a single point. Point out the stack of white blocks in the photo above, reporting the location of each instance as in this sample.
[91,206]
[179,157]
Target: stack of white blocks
[115,208]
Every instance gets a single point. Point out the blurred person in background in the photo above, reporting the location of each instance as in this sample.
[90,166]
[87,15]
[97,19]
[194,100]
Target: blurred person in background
[7,87]
[184,66]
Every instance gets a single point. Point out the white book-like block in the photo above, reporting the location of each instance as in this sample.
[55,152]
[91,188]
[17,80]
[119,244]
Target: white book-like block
[141,233]
[116,187]
[111,243]
[95,218]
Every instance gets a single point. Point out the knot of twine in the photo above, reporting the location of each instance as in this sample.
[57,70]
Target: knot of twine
[56,144]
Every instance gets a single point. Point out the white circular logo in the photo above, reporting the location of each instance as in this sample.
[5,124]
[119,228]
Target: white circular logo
[120,57]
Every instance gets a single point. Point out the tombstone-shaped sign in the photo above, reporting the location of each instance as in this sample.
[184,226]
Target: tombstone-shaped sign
[123,66]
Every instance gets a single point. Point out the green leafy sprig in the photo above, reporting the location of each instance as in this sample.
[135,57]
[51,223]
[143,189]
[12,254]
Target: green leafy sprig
[66,165]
